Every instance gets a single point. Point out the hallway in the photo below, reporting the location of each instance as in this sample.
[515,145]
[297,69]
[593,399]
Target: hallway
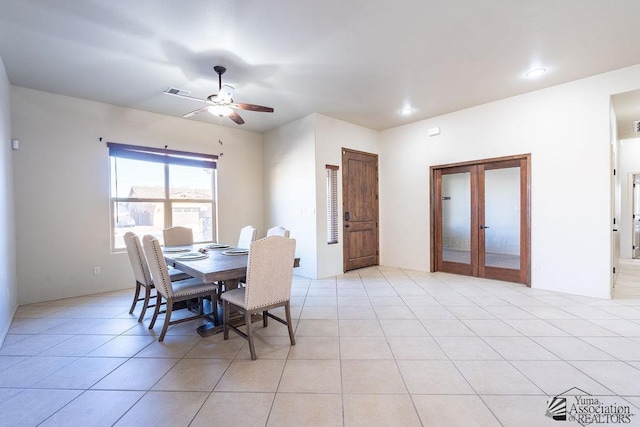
[627,288]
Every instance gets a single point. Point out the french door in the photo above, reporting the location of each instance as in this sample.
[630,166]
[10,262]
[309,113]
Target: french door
[480,220]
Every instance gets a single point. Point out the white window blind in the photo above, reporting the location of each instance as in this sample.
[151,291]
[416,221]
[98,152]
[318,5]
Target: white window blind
[332,204]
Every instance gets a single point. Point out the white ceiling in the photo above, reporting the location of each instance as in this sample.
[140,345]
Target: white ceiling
[356,60]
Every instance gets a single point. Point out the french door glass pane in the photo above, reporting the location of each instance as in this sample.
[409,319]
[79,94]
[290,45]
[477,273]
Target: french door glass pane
[197,216]
[456,218]
[502,217]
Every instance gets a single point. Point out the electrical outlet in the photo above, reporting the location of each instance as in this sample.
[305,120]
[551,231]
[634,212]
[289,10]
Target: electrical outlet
[96,270]
[536,265]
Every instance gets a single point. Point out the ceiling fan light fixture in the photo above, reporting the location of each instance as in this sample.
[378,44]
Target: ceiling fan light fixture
[535,72]
[220,110]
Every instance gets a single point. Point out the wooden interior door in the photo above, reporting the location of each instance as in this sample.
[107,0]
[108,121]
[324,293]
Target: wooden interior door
[360,209]
[480,219]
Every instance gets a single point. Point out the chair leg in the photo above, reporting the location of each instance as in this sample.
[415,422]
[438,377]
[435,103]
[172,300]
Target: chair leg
[135,298]
[156,311]
[167,319]
[287,313]
[265,319]
[225,319]
[252,349]
[145,303]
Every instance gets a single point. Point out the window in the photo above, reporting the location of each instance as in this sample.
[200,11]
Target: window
[153,189]
[332,204]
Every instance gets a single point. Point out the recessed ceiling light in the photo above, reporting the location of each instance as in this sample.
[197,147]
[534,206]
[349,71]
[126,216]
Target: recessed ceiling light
[407,111]
[536,72]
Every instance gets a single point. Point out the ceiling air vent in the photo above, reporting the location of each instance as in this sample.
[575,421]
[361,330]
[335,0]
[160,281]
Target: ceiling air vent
[176,91]
[636,126]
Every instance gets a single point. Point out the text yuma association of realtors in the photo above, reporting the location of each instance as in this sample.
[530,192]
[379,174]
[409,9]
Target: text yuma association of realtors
[588,409]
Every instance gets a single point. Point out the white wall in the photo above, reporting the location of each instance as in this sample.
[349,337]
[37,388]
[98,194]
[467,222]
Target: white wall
[61,182]
[289,184]
[62,187]
[629,161]
[331,136]
[295,184]
[566,128]
[8,280]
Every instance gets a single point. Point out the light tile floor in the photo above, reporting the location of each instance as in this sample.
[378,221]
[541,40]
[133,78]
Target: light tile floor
[375,347]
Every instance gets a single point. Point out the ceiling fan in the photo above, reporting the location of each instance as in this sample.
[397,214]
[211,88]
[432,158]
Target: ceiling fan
[220,104]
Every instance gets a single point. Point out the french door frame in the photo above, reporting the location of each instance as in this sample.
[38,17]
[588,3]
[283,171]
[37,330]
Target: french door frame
[477,265]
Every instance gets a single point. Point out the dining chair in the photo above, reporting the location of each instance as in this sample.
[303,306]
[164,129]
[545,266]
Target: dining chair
[142,275]
[177,236]
[174,292]
[278,231]
[268,285]
[247,235]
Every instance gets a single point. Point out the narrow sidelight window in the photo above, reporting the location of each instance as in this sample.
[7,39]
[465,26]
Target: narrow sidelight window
[332,204]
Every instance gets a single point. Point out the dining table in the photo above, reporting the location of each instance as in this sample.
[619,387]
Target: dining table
[220,264]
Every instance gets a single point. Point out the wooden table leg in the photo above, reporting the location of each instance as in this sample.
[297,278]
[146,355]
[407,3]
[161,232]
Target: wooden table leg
[211,328]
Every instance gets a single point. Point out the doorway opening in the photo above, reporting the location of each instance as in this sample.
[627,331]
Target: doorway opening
[635,216]
[480,218]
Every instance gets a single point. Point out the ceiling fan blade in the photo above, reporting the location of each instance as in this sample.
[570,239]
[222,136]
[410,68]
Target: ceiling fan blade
[194,112]
[236,118]
[251,107]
